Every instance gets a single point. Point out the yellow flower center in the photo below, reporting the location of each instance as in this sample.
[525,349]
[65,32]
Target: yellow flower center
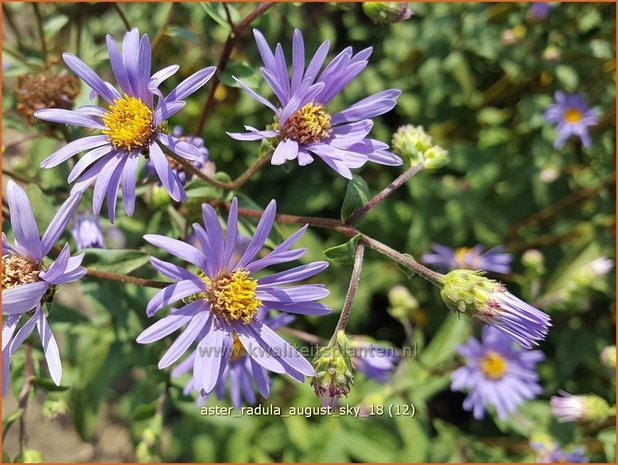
[573,115]
[493,365]
[232,296]
[238,351]
[18,270]
[308,125]
[466,258]
[128,123]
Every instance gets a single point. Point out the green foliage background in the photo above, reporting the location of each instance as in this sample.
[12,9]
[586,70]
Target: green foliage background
[480,98]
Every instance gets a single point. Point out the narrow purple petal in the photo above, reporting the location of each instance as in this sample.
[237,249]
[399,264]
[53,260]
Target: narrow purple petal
[73,148]
[286,150]
[172,271]
[303,292]
[118,67]
[129,180]
[22,220]
[191,84]
[173,293]
[232,231]
[88,159]
[58,267]
[50,347]
[369,107]
[23,333]
[167,325]
[185,339]
[178,248]
[252,346]
[294,274]
[261,234]
[90,77]
[167,176]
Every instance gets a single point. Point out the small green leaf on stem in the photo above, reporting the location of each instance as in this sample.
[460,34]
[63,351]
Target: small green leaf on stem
[343,253]
[357,195]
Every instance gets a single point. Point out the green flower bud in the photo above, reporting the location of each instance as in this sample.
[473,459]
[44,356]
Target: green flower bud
[157,197]
[435,157]
[55,409]
[400,296]
[30,456]
[387,12]
[608,357]
[534,261]
[469,292]
[410,142]
[333,371]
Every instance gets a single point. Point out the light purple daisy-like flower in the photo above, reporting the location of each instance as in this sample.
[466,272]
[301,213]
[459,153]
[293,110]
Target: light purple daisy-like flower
[496,373]
[238,373]
[224,299]
[303,126]
[572,116]
[183,175]
[131,125]
[87,232]
[26,280]
[553,453]
[374,361]
[539,10]
[475,258]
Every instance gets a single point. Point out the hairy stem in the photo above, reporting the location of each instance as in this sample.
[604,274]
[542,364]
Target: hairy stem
[230,186]
[349,298]
[123,17]
[39,24]
[123,278]
[161,33]
[388,190]
[228,47]
[23,397]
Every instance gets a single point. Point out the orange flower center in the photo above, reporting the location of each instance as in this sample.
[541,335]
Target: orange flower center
[573,115]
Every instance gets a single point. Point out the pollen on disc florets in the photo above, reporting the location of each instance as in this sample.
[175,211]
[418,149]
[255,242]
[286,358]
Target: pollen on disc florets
[573,115]
[129,123]
[232,296]
[493,365]
[308,125]
[238,351]
[18,270]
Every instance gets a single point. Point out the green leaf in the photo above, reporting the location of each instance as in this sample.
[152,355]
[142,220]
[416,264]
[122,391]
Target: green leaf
[54,24]
[452,332]
[119,261]
[217,12]
[248,75]
[356,195]
[413,432]
[48,384]
[144,411]
[608,438]
[10,419]
[343,253]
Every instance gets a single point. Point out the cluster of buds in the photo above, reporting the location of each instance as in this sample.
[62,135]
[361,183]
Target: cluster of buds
[387,12]
[55,409]
[414,144]
[333,371]
[587,408]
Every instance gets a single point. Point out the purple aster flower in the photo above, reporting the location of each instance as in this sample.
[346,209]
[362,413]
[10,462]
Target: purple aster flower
[475,258]
[572,116]
[183,175]
[553,453]
[374,361]
[131,125]
[87,232]
[539,10]
[303,126]
[496,373]
[27,281]
[223,299]
[239,371]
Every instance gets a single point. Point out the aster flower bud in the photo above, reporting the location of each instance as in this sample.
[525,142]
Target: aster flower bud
[534,260]
[387,12]
[435,157]
[608,357]
[400,296]
[410,142]
[333,371]
[55,409]
[587,408]
[470,293]
[30,456]
[87,232]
